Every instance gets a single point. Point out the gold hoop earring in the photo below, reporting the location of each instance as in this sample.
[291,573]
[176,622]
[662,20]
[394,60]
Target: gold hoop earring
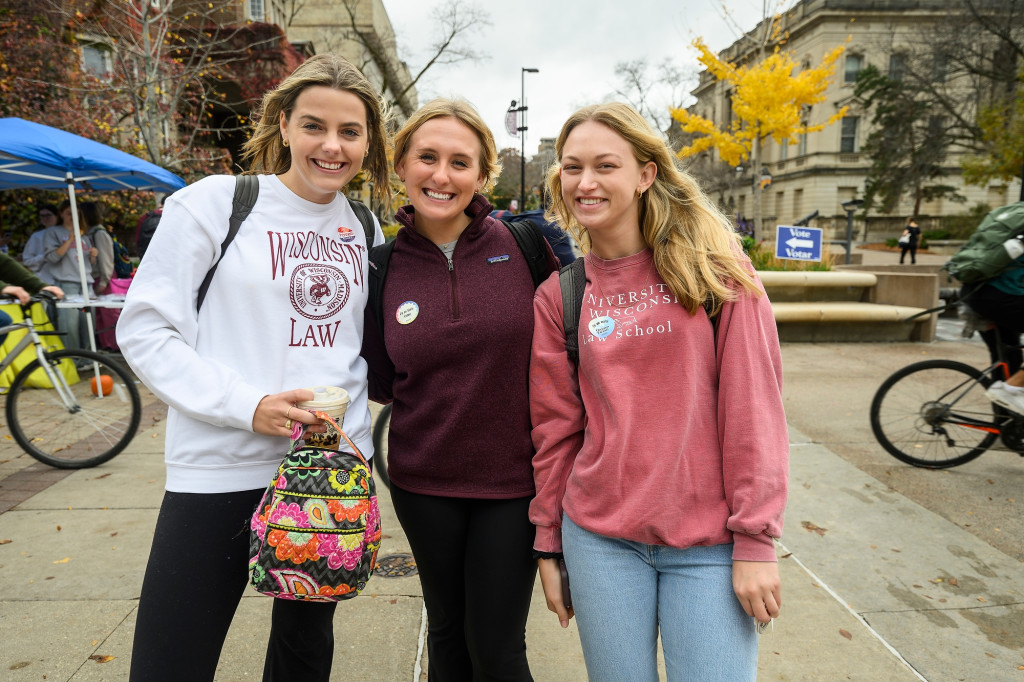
[639,192]
[284,142]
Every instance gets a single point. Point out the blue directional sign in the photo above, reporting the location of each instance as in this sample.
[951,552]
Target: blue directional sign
[798,243]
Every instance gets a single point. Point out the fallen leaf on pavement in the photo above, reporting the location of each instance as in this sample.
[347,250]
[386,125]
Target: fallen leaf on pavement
[953,582]
[808,526]
[5,541]
[63,561]
[96,478]
[982,599]
[101,659]
[58,527]
[845,634]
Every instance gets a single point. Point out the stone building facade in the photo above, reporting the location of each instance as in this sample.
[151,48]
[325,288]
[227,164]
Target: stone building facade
[822,170]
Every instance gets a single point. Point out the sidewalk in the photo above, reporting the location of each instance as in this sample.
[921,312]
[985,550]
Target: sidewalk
[875,587]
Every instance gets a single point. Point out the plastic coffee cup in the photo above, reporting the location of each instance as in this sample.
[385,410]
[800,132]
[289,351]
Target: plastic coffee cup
[332,400]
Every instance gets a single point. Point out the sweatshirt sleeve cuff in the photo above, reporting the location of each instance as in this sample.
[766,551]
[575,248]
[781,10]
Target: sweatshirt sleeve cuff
[753,547]
[247,398]
[548,539]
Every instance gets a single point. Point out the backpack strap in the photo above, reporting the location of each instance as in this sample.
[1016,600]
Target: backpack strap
[247,188]
[531,242]
[572,280]
[380,256]
[365,219]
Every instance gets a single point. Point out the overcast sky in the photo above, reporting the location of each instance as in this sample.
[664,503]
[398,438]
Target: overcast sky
[575,44]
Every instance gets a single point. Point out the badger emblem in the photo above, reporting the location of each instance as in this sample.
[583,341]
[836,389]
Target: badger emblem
[318,291]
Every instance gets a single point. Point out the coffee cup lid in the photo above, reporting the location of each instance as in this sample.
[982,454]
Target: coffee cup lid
[325,397]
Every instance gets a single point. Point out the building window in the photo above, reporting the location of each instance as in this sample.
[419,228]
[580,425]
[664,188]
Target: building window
[801,148]
[798,203]
[854,63]
[256,12]
[784,150]
[848,135]
[897,66]
[96,60]
[940,66]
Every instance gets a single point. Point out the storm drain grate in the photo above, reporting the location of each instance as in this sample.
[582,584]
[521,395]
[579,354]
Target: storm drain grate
[396,566]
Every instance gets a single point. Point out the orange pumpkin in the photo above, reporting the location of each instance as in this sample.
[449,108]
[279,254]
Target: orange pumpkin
[106,383]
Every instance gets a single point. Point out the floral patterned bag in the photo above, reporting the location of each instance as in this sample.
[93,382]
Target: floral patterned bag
[316,532]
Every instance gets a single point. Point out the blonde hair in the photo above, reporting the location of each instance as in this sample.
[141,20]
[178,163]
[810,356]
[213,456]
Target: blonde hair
[460,110]
[695,250]
[264,150]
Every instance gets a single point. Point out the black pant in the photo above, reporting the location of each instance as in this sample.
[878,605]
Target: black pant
[1004,310]
[477,571]
[197,571]
[912,248]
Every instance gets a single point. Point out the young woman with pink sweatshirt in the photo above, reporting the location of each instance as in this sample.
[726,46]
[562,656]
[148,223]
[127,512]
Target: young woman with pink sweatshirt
[661,465]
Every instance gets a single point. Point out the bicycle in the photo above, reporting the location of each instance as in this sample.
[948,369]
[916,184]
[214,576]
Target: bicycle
[70,409]
[935,415]
[380,445]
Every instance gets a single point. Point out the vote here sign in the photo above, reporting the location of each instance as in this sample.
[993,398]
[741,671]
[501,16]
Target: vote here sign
[798,243]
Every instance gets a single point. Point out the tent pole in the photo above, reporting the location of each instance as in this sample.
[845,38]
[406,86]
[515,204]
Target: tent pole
[70,179]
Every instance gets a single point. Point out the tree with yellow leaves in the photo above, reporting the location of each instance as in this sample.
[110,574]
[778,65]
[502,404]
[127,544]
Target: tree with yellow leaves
[768,100]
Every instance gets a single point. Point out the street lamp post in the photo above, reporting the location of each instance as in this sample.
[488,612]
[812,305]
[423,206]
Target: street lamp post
[522,129]
[850,207]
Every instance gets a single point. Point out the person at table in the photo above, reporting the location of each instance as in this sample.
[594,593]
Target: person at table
[60,248]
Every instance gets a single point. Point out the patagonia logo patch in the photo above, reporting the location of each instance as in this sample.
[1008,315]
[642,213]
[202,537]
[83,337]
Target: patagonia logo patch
[497,259]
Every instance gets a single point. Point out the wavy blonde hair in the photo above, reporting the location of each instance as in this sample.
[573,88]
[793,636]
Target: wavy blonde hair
[695,249]
[264,151]
[460,110]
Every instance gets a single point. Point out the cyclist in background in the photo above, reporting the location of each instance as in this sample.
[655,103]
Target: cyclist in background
[1000,300]
[18,282]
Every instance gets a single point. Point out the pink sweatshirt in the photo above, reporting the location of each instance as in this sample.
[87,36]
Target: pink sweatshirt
[674,434]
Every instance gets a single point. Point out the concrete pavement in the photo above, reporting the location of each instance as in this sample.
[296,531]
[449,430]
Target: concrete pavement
[875,586]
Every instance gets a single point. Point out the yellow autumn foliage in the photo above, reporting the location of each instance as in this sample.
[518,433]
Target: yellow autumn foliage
[768,100]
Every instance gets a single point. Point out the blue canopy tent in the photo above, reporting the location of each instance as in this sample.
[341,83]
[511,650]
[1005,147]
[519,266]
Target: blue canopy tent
[36,156]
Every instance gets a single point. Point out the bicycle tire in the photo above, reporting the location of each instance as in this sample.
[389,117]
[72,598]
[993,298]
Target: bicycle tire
[932,414]
[94,430]
[380,445]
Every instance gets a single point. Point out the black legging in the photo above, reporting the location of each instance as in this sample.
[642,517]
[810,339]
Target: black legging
[1006,311]
[912,248]
[197,572]
[477,572]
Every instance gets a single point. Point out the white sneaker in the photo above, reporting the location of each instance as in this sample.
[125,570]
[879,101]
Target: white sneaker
[1004,397]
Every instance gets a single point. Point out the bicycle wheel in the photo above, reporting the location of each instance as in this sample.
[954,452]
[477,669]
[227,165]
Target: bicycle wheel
[934,414]
[380,445]
[88,413]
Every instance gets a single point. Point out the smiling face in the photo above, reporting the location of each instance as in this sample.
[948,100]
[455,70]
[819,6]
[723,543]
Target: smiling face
[600,178]
[327,138]
[442,170]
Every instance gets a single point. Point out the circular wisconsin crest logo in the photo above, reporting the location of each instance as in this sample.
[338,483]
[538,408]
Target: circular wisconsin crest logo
[318,291]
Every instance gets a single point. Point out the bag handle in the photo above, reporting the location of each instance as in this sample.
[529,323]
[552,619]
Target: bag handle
[299,431]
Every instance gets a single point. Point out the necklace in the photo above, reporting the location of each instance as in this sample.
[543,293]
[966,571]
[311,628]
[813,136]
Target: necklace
[650,274]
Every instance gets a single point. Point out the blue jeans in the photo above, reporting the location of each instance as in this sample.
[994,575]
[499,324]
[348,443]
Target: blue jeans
[624,592]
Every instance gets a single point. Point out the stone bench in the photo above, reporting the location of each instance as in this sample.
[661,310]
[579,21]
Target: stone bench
[851,305]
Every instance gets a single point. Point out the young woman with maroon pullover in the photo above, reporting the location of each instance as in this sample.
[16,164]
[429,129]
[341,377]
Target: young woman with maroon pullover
[458,323]
[661,464]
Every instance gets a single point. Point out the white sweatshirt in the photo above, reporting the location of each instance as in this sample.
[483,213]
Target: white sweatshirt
[284,311]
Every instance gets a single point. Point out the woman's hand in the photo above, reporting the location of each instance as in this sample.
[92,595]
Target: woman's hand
[55,290]
[758,588]
[276,414]
[551,581]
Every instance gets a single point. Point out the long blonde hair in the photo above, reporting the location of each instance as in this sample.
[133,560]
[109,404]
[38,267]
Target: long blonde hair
[695,250]
[460,110]
[264,150]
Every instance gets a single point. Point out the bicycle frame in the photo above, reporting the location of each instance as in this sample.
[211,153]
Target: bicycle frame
[951,417]
[33,338]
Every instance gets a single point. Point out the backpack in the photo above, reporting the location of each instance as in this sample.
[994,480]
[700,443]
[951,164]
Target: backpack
[247,189]
[145,229]
[123,267]
[316,532]
[526,233]
[984,256]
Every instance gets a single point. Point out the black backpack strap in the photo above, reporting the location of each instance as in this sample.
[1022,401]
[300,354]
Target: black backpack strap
[247,188]
[380,256]
[365,219]
[572,280]
[531,242]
